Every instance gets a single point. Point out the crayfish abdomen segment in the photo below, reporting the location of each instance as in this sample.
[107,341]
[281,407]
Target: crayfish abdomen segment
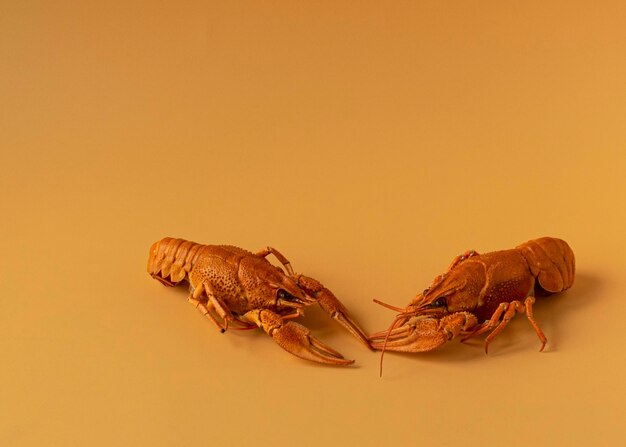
[170,259]
[551,261]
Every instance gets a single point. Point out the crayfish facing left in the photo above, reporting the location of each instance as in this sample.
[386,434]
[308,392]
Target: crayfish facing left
[239,289]
[480,293]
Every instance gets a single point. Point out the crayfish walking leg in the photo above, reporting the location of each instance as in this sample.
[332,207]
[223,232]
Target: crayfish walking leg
[501,318]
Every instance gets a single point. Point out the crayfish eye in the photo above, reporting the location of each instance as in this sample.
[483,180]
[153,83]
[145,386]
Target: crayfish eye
[440,302]
[284,295]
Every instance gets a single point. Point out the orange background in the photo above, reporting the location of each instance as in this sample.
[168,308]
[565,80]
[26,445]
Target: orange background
[370,142]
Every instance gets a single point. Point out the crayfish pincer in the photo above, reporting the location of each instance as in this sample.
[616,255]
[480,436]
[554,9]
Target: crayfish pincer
[238,289]
[480,293]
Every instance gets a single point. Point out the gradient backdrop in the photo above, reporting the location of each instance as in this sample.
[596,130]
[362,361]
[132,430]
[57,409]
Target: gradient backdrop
[370,142]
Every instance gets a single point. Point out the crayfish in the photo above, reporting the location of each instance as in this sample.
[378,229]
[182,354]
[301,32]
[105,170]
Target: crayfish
[242,290]
[480,293]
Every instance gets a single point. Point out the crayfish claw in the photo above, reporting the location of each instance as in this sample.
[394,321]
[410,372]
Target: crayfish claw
[343,318]
[333,307]
[297,340]
[423,334]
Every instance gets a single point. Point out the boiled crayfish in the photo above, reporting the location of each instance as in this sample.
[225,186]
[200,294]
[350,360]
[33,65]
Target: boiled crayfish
[243,290]
[480,293]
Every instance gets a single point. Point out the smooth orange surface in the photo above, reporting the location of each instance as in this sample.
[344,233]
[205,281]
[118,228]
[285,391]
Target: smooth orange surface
[369,142]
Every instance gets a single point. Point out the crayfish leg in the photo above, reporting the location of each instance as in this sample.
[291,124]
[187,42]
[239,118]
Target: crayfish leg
[530,300]
[460,258]
[283,260]
[501,318]
[204,310]
[489,325]
[511,310]
[213,305]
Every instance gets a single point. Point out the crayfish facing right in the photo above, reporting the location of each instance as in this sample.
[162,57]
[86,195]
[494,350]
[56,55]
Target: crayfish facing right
[480,293]
[236,288]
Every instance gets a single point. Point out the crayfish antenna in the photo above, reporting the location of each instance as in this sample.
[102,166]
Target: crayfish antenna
[388,306]
[391,328]
[399,318]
